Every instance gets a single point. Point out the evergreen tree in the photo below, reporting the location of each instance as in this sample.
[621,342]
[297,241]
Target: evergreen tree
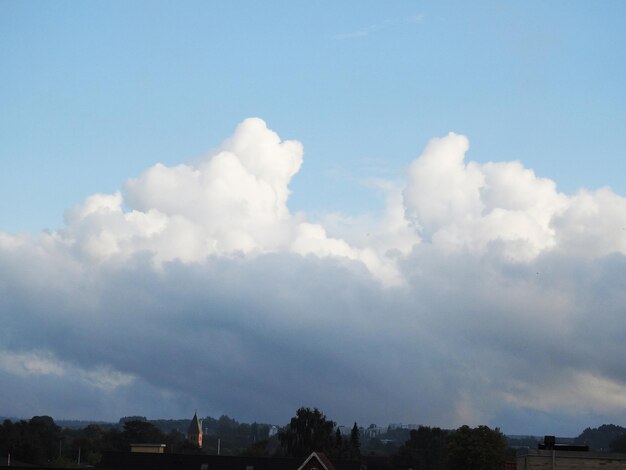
[355,441]
[338,442]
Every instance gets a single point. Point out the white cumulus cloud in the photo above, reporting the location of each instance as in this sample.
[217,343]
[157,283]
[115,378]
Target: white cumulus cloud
[231,202]
[480,294]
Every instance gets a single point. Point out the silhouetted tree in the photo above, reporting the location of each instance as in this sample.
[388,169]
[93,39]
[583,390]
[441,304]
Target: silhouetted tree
[600,438]
[125,419]
[258,449]
[618,444]
[307,432]
[479,448]
[35,441]
[355,442]
[338,443]
[141,432]
[426,449]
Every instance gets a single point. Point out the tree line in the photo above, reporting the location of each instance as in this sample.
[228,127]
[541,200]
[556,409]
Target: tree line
[41,441]
[466,448]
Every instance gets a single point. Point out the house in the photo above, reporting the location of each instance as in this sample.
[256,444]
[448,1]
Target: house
[317,461]
[535,459]
[551,455]
[143,461]
[148,448]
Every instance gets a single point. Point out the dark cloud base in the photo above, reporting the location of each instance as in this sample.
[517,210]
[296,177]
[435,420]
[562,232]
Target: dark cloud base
[257,338]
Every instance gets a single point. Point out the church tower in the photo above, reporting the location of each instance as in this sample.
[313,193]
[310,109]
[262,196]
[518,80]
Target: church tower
[194,433]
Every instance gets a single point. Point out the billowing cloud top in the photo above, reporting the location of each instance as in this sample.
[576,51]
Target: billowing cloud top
[232,202]
[482,294]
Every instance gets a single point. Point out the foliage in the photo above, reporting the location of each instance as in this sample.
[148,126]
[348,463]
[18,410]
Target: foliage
[618,444]
[125,419]
[479,448]
[425,449]
[258,449]
[137,431]
[355,441]
[234,437]
[378,446]
[346,449]
[166,426]
[600,438]
[529,442]
[35,441]
[40,441]
[307,432]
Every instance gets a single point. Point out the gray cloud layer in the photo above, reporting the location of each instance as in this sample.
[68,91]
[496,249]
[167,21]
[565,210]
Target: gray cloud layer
[482,296]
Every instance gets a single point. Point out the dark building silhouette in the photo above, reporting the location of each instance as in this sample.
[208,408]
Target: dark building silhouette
[194,433]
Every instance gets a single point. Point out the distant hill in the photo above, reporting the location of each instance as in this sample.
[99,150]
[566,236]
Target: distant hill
[600,438]
[523,442]
[64,423]
[3,418]
[79,424]
[168,425]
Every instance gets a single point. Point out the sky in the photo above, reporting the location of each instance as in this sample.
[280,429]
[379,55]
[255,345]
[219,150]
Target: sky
[393,211]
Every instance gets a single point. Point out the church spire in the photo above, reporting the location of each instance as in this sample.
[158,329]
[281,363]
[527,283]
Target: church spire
[194,433]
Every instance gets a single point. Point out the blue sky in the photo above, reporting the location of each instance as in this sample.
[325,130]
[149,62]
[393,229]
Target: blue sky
[93,93]
[394,211]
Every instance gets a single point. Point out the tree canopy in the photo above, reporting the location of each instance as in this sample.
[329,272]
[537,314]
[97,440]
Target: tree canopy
[355,441]
[308,431]
[426,449]
[479,448]
[35,441]
[600,438]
